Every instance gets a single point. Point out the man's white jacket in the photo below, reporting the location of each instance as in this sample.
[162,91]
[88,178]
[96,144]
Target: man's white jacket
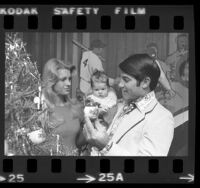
[146,131]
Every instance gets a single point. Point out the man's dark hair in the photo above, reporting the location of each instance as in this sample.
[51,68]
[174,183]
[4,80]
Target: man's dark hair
[141,66]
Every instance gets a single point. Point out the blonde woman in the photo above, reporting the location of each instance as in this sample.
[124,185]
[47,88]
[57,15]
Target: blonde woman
[66,114]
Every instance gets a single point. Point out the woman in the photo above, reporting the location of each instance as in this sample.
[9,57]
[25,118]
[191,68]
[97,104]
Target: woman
[65,113]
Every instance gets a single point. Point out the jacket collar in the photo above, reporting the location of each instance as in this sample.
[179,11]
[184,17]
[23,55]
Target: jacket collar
[137,115]
[147,102]
[143,104]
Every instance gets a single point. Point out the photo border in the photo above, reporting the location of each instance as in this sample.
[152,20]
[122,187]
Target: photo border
[141,174]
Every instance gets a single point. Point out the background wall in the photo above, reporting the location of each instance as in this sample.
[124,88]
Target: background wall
[43,46]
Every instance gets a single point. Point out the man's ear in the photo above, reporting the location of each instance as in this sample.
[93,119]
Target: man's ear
[145,83]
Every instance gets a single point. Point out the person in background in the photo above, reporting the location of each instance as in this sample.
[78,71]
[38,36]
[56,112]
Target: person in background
[179,56]
[90,62]
[181,87]
[184,73]
[141,126]
[152,50]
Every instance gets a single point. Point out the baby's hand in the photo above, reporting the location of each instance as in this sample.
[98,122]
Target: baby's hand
[108,117]
[103,108]
[102,111]
[89,101]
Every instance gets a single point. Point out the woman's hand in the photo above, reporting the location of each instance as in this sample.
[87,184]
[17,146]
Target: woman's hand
[80,139]
[95,136]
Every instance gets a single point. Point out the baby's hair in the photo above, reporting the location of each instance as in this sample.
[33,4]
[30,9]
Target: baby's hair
[99,77]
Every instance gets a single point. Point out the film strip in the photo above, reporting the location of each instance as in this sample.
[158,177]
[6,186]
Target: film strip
[65,32]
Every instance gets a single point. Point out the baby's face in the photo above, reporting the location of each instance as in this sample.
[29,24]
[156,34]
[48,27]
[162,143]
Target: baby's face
[100,90]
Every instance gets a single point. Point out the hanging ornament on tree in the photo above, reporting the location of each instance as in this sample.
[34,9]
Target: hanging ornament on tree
[37,102]
[37,136]
[38,99]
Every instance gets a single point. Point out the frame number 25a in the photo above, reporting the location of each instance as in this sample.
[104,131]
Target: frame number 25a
[110,177]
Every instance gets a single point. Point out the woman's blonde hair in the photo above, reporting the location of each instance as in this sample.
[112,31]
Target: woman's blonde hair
[50,78]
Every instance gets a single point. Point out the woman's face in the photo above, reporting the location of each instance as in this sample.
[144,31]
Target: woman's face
[63,85]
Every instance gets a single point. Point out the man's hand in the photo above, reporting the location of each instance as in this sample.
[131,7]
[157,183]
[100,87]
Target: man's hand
[95,136]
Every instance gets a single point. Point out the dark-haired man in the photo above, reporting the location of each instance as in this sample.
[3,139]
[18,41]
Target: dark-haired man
[141,126]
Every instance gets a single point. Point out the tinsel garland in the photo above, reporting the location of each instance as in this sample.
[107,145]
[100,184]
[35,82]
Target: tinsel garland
[23,116]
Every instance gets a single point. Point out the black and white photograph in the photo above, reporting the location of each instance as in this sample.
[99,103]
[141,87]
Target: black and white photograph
[96,94]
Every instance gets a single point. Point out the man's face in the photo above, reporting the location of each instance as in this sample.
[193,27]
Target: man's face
[182,43]
[63,85]
[130,89]
[100,89]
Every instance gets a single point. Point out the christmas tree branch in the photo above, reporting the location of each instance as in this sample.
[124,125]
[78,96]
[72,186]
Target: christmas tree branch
[20,95]
[33,116]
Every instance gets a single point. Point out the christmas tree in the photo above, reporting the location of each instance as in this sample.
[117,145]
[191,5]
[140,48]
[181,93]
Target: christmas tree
[28,129]
[23,111]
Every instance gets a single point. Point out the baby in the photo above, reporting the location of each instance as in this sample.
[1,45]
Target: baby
[102,100]
[101,104]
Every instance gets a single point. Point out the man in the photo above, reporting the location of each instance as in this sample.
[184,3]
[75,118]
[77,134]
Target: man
[180,55]
[152,50]
[91,61]
[141,126]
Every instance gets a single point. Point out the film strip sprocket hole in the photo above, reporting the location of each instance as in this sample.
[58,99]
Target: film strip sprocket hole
[69,35]
[129,166]
[81,22]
